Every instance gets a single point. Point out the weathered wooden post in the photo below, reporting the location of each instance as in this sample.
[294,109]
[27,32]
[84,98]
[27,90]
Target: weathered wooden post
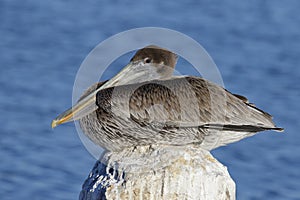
[159,172]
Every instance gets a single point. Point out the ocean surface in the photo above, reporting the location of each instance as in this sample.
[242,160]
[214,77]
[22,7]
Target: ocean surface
[255,44]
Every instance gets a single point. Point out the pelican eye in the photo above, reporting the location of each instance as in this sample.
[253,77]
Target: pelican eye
[147,60]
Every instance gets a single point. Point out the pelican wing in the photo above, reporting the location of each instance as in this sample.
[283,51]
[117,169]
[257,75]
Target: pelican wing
[184,102]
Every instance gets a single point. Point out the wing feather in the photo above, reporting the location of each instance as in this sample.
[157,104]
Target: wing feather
[186,102]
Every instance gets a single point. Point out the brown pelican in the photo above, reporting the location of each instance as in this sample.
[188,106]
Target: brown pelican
[145,104]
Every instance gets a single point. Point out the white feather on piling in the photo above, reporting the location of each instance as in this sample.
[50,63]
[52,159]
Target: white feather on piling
[159,172]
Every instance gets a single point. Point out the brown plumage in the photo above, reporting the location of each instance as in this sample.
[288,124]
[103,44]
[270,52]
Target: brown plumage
[178,111]
[151,54]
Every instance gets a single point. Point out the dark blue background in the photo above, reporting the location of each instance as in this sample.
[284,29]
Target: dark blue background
[255,44]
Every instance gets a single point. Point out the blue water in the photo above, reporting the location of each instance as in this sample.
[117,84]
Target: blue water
[255,44]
